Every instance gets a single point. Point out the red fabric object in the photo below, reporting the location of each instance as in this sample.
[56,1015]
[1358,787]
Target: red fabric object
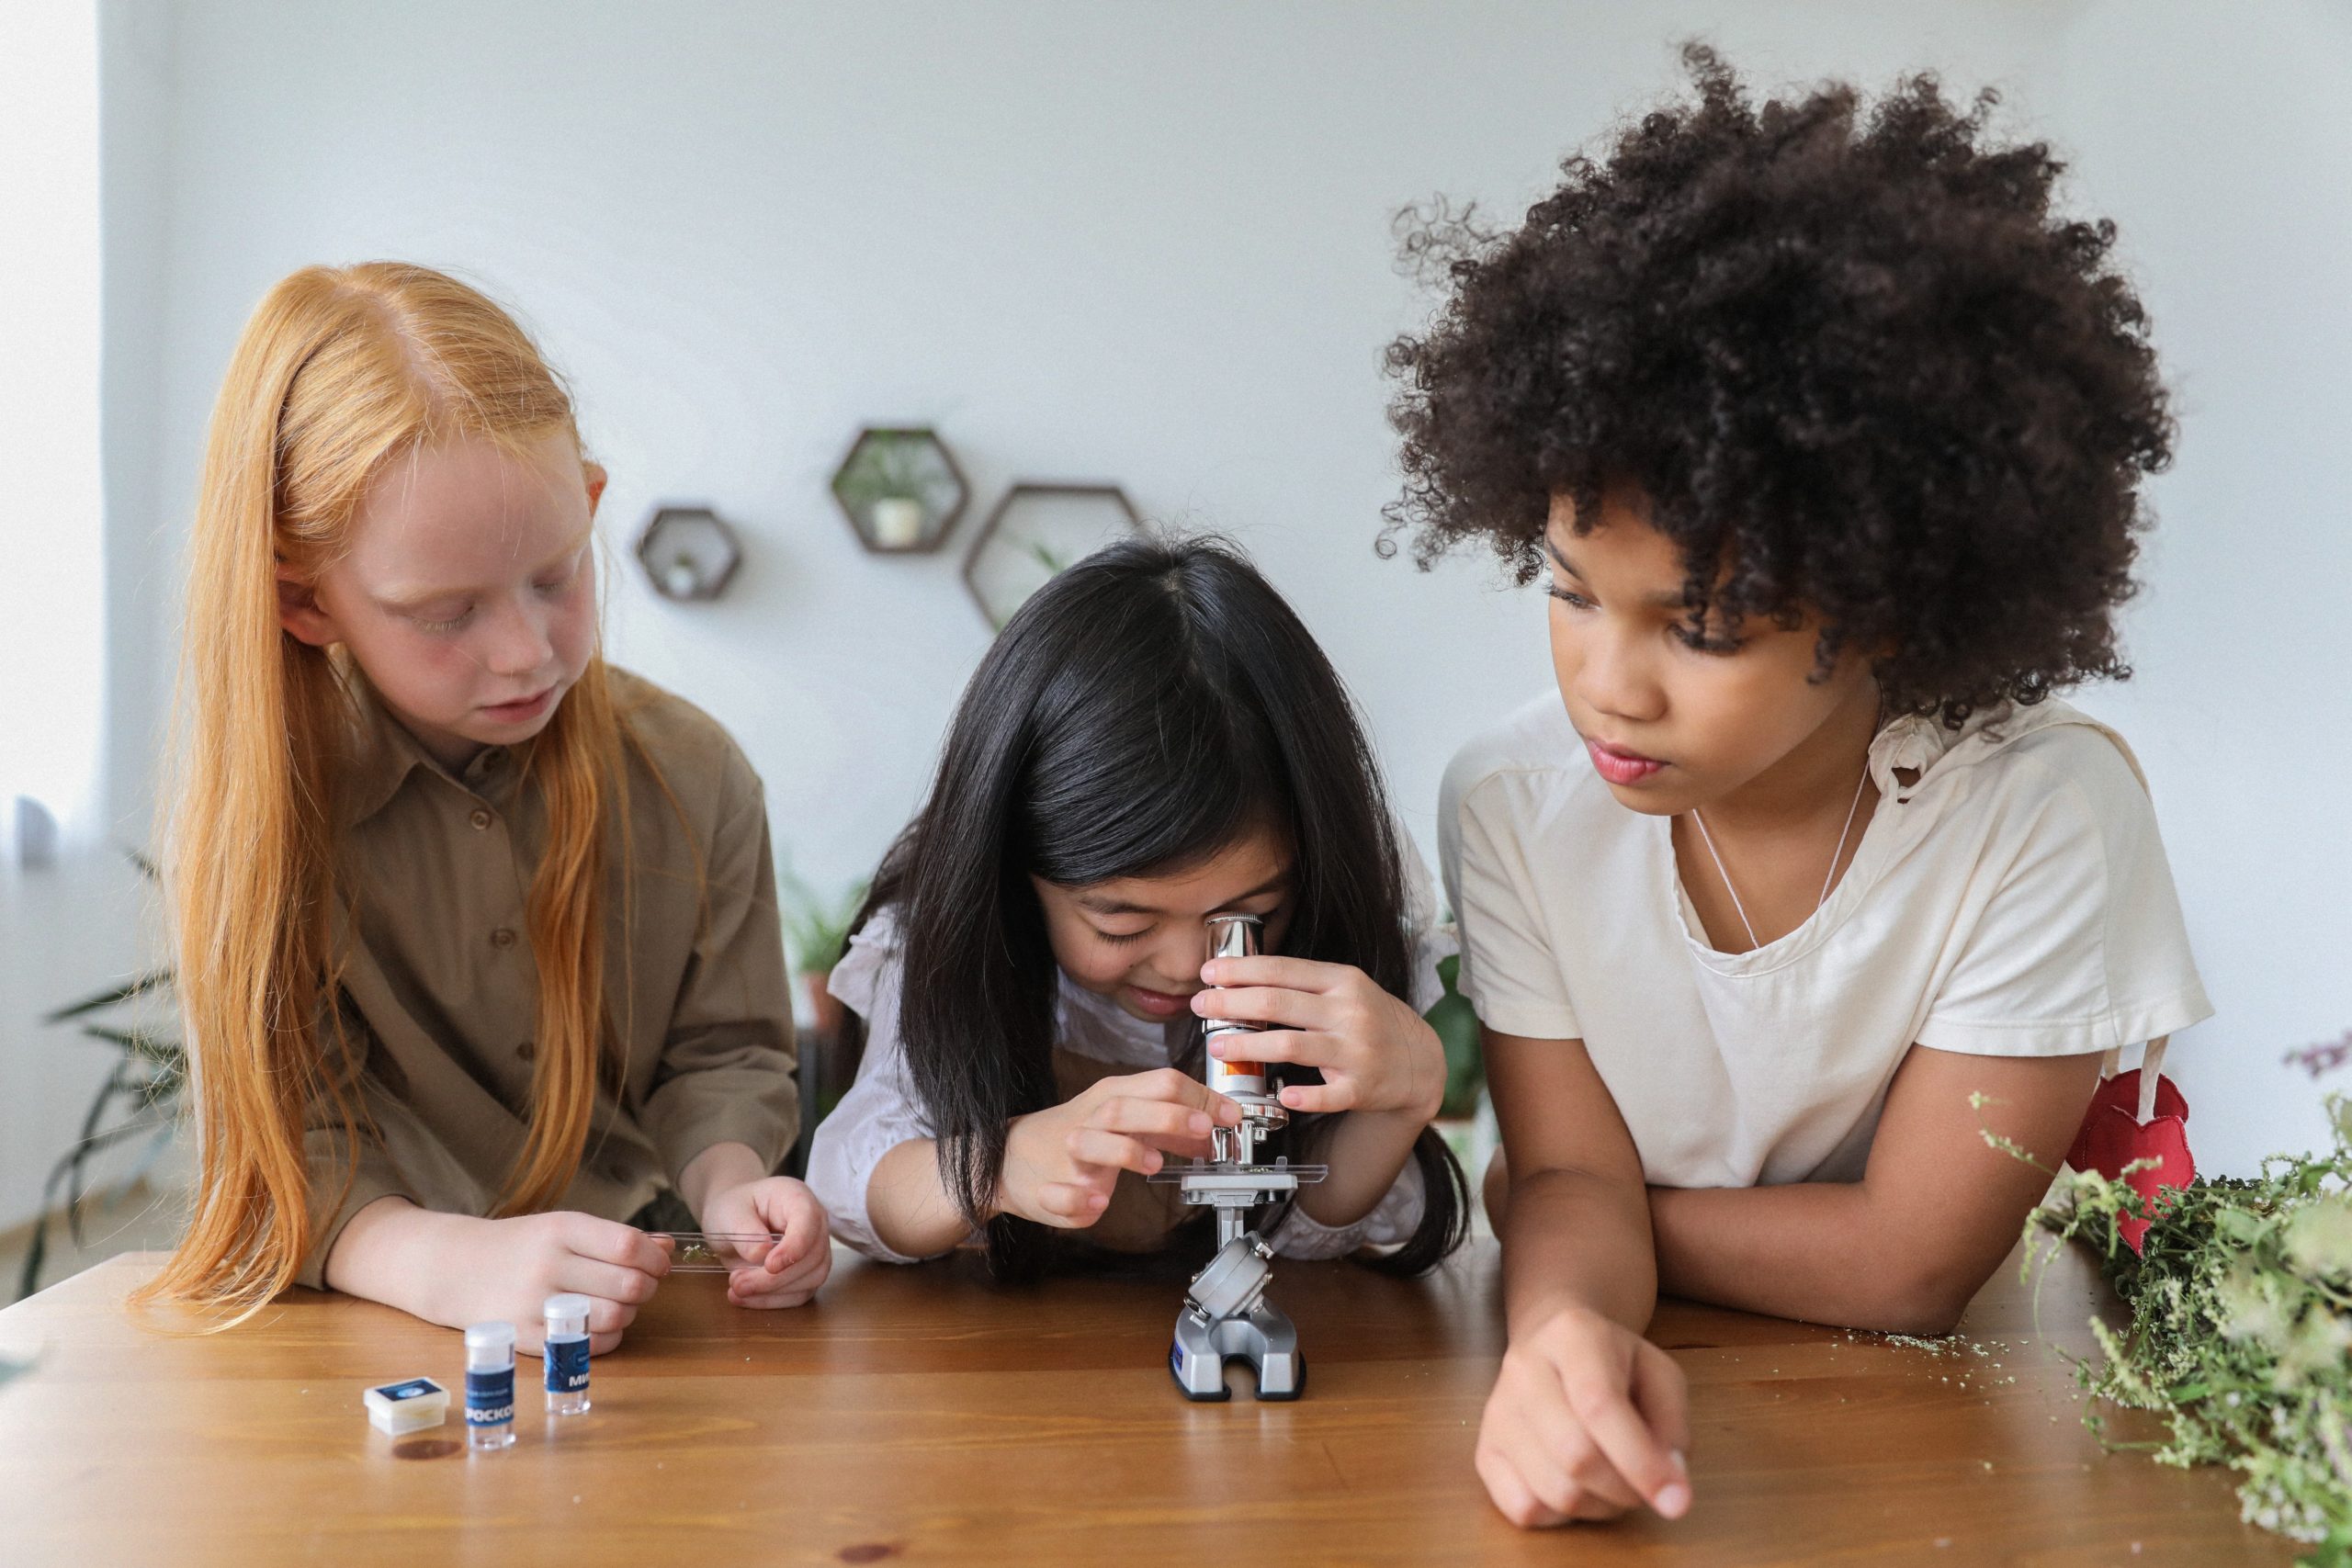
[2113,1136]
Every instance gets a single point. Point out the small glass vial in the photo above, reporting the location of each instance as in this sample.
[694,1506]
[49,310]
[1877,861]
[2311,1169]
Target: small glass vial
[490,1385]
[567,1354]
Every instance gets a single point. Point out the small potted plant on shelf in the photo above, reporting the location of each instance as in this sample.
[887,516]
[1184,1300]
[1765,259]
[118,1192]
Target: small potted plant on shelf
[888,482]
[816,929]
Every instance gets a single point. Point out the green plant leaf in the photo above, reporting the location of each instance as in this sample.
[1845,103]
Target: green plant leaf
[816,929]
[137,986]
[1458,1032]
[150,1076]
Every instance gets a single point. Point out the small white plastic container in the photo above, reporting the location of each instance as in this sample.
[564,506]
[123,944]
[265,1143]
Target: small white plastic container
[567,1354]
[490,1385]
[409,1406]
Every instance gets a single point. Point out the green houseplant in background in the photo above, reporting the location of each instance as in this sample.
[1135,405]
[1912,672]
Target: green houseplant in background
[1468,1132]
[816,932]
[140,1099]
[1457,1031]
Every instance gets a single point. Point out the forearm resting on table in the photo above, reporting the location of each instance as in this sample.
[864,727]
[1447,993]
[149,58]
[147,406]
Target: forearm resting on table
[1820,1251]
[1905,1248]
[385,1253]
[909,1211]
[1572,1238]
[908,1205]
[1573,1217]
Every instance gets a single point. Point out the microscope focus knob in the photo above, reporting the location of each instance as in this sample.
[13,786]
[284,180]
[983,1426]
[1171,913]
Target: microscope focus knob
[1233,1279]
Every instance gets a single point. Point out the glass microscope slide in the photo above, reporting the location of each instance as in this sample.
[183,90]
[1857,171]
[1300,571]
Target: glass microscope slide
[711,1252]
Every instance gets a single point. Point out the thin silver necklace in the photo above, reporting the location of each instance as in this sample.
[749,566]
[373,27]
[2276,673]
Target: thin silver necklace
[1834,856]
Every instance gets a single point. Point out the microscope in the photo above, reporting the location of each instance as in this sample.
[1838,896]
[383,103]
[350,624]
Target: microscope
[1225,1316]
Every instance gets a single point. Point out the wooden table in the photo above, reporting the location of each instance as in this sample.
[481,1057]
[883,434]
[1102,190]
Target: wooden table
[919,1415]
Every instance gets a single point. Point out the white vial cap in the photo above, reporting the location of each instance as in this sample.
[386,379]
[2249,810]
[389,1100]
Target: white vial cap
[490,1347]
[567,1316]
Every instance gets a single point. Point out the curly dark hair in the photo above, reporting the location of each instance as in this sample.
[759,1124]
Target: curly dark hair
[1848,356]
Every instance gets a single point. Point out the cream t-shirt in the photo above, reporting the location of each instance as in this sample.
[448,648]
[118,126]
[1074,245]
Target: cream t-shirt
[2012,900]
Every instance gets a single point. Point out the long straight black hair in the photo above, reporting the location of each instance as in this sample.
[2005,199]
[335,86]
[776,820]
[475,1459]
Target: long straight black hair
[1139,712]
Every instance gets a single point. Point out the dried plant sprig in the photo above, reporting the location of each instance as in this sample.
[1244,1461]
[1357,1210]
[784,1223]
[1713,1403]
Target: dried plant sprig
[2321,1058]
[2241,1303]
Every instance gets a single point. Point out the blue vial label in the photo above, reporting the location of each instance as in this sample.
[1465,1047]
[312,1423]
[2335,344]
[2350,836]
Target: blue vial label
[489,1398]
[567,1365]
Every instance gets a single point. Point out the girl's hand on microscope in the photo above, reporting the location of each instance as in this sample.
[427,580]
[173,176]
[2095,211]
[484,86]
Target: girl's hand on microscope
[1587,1419]
[1375,1053]
[1060,1163]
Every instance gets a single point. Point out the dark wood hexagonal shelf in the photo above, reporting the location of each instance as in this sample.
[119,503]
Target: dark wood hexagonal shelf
[688,552]
[1036,530]
[900,488]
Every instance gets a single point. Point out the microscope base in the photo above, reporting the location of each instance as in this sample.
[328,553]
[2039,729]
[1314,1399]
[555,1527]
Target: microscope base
[1265,1337]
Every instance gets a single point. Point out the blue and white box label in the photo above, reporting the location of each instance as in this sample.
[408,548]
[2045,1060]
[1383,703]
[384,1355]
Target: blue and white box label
[489,1398]
[567,1365]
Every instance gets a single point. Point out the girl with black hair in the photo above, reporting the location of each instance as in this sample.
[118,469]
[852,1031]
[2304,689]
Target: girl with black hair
[1154,739]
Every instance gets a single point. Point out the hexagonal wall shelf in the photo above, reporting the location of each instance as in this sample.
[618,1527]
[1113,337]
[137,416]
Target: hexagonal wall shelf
[900,488]
[688,552]
[1035,531]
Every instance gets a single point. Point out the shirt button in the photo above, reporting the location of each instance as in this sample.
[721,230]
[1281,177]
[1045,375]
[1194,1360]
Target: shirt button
[502,937]
[527,1050]
[480,818]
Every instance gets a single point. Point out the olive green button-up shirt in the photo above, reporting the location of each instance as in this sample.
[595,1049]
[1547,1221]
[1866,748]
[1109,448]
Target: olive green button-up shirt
[440,993]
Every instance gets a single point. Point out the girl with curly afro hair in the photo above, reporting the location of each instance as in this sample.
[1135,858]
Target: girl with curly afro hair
[1828,432]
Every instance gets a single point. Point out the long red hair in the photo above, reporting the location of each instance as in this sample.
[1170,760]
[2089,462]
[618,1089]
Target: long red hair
[339,372]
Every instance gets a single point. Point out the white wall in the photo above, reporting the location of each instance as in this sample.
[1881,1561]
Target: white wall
[69,927]
[144,530]
[51,594]
[1152,244]
[2220,139]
